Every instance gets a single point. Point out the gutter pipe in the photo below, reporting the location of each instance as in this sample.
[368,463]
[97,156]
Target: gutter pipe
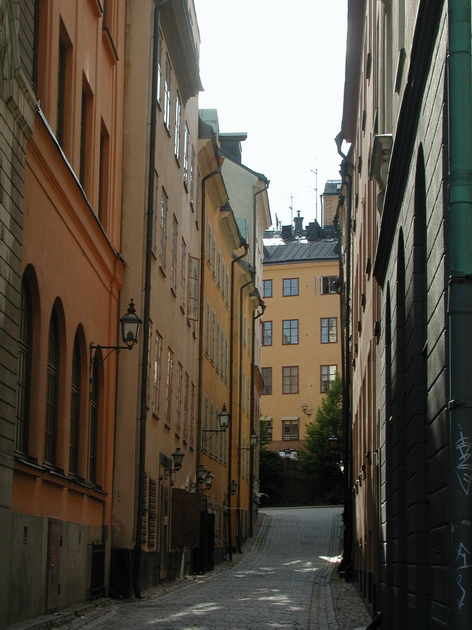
[231,377]
[240,400]
[346,562]
[460,309]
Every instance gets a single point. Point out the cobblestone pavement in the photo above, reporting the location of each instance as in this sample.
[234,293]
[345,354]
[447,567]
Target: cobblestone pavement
[282,583]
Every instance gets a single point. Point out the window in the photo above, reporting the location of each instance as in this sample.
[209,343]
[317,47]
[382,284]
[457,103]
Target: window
[173,271]
[86,116]
[186,405]
[290,429]
[170,369]
[266,374]
[157,373]
[93,428]
[75,410]
[163,241]
[186,150]
[192,310]
[24,370]
[183,272]
[180,375]
[289,331]
[103,180]
[267,288]
[326,284]
[52,392]
[61,92]
[328,374]
[266,333]
[290,286]
[167,96]
[290,380]
[154,215]
[178,109]
[329,330]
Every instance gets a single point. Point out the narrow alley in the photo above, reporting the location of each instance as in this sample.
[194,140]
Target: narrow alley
[283,582]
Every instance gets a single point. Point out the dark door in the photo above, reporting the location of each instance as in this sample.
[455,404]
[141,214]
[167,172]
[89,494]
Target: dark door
[54,563]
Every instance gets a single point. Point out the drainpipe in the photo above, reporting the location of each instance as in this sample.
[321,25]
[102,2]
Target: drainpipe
[231,377]
[147,304]
[346,562]
[240,401]
[219,159]
[254,422]
[460,308]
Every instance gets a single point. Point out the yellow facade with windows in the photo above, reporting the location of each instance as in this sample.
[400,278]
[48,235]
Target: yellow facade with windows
[301,350]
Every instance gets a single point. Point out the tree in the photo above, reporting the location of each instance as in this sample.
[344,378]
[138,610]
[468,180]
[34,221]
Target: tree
[317,457]
[270,469]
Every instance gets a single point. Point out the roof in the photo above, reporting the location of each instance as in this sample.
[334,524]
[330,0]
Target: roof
[300,251]
[332,187]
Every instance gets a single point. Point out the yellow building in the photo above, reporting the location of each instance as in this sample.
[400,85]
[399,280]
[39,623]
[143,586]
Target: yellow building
[301,350]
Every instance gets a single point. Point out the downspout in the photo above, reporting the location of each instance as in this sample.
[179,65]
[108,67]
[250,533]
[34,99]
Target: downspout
[147,304]
[240,403]
[460,308]
[231,377]
[254,423]
[346,562]
[201,306]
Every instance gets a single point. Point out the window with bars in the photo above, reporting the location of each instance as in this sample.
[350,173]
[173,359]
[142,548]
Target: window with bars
[289,331]
[290,379]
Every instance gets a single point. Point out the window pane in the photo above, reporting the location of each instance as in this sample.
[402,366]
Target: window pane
[267,288]
[290,286]
[267,378]
[290,380]
[266,333]
[290,331]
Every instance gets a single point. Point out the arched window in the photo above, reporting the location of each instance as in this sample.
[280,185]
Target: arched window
[75,409]
[24,370]
[93,427]
[52,392]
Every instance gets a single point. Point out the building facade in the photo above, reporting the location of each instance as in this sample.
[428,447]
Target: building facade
[66,58]
[301,346]
[405,225]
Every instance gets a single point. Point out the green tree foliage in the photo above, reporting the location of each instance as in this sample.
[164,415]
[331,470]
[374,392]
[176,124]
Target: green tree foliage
[317,457]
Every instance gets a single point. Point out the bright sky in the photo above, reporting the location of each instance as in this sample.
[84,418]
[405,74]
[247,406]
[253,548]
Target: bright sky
[275,69]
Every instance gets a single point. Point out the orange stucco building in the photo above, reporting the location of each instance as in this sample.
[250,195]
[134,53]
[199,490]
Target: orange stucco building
[72,273]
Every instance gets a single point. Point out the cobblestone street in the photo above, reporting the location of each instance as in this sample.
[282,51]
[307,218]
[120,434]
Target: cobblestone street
[283,582]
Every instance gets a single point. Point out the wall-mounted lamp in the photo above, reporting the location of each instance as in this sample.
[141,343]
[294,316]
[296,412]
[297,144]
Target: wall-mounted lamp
[333,443]
[304,409]
[233,486]
[253,442]
[223,418]
[209,480]
[130,325]
[177,458]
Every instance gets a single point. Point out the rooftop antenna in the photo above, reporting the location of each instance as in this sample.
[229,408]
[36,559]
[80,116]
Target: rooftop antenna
[316,192]
[291,208]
